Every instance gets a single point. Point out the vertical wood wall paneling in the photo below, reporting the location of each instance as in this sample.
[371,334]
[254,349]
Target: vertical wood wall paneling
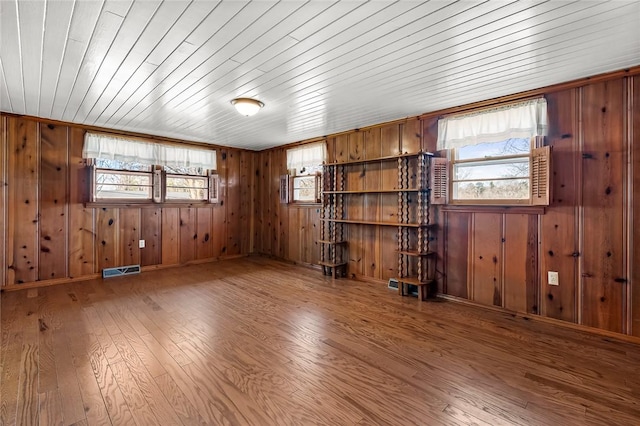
[188,234]
[429,144]
[341,148]
[3,200]
[520,266]
[220,210]
[281,232]
[219,213]
[390,140]
[296,218]
[371,234]
[457,234]
[389,145]
[204,229]
[128,236]
[150,232]
[314,217]
[245,216]
[261,167]
[53,203]
[635,191]
[603,173]
[170,251]
[354,203]
[411,136]
[307,236]
[82,235]
[487,262]
[559,242]
[107,238]
[23,201]
[267,191]
[233,213]
[274,200]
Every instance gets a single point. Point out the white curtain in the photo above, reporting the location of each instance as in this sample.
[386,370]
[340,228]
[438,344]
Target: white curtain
[519,120]
[120,148]
[307,157]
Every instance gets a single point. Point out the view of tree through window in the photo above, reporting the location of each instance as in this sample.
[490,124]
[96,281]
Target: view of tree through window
[492,171]
[186,183]
[122,180]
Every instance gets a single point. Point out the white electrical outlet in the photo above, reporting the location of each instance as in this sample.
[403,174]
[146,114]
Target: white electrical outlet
[553,278]
[141,244]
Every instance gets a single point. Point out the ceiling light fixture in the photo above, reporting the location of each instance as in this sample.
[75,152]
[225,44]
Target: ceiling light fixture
[247,106]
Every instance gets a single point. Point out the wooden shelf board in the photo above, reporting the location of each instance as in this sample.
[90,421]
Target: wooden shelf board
[331,264]
[331,242]
[373,160]
[367,222]
[413,281]
[415,253]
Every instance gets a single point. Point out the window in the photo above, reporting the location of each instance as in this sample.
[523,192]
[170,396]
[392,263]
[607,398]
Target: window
[114,179]
[491,155]
[492,171]
[304,164]
[130,170]
[186,183]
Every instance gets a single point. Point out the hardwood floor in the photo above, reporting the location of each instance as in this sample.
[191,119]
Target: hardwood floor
[255,341]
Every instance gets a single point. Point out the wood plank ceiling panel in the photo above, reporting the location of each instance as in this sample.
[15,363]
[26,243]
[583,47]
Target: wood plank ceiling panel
[171,68]
[243,62]
[83,24]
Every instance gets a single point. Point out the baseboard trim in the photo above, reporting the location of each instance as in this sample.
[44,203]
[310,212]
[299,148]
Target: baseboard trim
[58,281]
[556,322]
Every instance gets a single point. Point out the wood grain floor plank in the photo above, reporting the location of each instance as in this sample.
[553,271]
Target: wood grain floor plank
[147,385]
[114,400]
[258,341]
[180,403]
[50,409]
[28,398]
[94,405]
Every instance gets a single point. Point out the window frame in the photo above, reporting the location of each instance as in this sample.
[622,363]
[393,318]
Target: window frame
[158,177]
[488,161]
[307,170]
[540,181]
[316,185]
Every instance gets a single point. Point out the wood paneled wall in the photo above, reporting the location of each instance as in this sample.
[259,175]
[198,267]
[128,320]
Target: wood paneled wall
[288,231]
[590,234]
[50,235]
[291,231]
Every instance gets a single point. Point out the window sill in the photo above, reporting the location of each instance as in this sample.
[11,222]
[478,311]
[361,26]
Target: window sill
[494,209]
[147,204]
[305,204]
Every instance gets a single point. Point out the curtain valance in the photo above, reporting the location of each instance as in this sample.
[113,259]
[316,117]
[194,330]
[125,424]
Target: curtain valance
[97,145]
[520,120]
[306,156]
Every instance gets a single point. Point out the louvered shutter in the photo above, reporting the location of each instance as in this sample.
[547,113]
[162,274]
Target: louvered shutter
[158,183]
[284,189]
[214,188]
[541,176]
[92,183]
[439,180]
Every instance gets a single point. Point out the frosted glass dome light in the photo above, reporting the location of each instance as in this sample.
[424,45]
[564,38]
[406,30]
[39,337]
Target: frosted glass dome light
[247,106]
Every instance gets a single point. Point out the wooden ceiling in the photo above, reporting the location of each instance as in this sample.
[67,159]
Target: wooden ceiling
[172,68]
